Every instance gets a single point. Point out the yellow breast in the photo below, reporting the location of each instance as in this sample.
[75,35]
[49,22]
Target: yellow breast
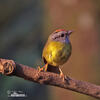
[56,53]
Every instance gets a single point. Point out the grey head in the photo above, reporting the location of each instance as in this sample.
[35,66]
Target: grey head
[60,35]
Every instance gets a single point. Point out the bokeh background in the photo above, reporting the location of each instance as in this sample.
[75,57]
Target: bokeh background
[24,28]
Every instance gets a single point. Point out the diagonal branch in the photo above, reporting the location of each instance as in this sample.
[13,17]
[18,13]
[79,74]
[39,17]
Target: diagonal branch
[11,68]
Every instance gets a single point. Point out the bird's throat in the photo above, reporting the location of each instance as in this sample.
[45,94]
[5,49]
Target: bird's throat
[67,40]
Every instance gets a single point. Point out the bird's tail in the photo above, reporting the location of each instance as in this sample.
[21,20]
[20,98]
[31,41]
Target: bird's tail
[53,69]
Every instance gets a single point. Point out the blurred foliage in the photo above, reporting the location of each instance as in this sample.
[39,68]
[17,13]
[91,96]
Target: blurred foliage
[21,28]
[24,28]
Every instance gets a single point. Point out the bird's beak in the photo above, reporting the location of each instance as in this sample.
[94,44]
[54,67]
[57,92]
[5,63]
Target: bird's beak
[69,32]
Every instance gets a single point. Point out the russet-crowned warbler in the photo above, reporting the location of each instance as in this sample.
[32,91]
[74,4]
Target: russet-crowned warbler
[56,51]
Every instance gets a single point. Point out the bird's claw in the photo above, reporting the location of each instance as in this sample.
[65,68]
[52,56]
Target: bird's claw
[62,76]
[40,69]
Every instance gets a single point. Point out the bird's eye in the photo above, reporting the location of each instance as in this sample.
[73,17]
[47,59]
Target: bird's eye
[62,35]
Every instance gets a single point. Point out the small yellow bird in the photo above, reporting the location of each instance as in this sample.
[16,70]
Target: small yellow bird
[56,51]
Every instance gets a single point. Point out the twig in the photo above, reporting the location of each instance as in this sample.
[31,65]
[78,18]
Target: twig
[11,68]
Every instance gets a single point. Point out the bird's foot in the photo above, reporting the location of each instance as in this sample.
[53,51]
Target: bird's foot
[62,76]
[40,69]
[44,68]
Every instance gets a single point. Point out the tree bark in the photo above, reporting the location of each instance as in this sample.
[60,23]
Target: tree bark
[11,68]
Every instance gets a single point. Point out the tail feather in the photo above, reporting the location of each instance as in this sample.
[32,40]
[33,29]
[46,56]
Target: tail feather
[53,69]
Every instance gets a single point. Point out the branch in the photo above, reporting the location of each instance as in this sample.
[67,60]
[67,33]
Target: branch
[11,68]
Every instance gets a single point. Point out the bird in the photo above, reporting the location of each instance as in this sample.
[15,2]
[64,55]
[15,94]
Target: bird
[56,51]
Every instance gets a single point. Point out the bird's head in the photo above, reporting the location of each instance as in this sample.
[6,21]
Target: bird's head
[61,35]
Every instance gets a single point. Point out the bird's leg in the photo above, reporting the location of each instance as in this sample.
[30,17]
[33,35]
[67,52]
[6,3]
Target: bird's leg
[61,74]
[44,68]
[39,68]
